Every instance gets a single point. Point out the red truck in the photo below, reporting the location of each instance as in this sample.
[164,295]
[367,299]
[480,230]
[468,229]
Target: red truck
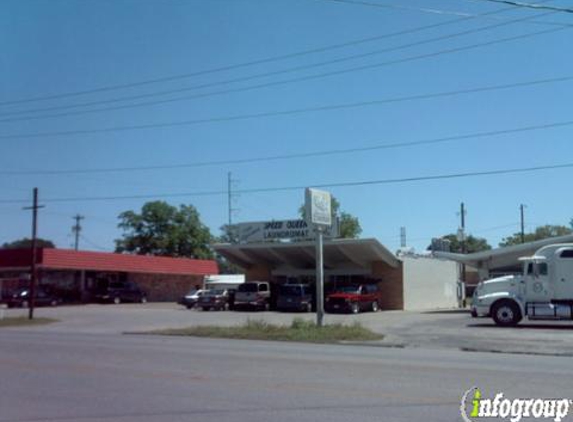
[354,299]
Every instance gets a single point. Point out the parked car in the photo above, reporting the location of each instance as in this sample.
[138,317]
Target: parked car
[191,298]
[354,299]
[21,299]
[256,294]
[295,297]
[118,292]
[214,299]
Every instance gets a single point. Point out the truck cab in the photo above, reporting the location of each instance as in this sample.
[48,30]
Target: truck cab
[544,291]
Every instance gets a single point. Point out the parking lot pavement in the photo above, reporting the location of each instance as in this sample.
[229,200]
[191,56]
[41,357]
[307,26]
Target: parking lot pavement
[449,329]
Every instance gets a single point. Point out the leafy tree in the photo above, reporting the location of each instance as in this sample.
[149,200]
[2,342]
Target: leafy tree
[473,244]
[349,226]
[26,243]
[542,232]
[227,236]
[165,230]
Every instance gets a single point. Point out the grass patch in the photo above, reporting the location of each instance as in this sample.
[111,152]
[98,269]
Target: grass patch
[300,330]
[24,321]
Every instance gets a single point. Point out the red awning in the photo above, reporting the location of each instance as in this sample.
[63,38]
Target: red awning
[64,259]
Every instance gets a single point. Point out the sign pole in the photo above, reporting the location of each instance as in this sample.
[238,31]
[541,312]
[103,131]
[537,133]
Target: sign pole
[319,278]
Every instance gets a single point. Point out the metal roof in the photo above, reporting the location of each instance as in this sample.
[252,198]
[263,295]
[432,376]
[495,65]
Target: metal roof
[64,259]
[502,257]
[338,253]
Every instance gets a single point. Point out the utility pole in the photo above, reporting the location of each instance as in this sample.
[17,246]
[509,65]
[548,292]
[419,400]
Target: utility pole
[403,242]
[230,197]
[33,270]
[463,227]
[521,209]
[76,229]
[463,238]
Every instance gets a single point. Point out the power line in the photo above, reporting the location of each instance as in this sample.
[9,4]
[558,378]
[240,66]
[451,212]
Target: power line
[292,111]
[266,60]
[300,187]
[275,73]
[394,145]
[532,6]
[240,65]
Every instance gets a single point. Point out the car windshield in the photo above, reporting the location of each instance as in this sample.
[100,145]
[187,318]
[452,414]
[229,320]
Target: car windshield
[347,289]
[215,292]
[248,287]
[290,290]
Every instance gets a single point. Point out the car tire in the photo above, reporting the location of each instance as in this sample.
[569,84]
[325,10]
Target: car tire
[375,306]
[117,300]
[143,299]
[54,303]
[308,307]
[24,304]
[266,307]
[354,308]
[506,313]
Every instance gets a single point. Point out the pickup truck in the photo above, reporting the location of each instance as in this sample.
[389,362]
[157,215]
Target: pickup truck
[255,294]
[353,299]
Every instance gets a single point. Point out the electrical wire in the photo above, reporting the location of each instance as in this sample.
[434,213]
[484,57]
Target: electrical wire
[330,152]
[243,64]
[301,187]
[274,73]
[290,112]
[263,60]
[531,5]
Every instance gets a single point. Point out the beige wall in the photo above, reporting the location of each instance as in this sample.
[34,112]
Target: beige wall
[429,283]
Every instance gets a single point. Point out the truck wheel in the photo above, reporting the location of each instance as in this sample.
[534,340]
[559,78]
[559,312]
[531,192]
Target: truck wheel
[374,306]
[116,300]
[309,307]
[506,313]
[354,308]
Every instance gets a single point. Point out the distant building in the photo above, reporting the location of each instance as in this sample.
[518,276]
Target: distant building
[76,275]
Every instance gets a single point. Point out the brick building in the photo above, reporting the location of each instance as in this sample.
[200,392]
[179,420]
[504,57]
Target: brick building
[411,283]
[75,275]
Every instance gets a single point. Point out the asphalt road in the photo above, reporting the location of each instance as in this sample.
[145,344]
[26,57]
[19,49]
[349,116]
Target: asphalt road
[452,330]
[55,376]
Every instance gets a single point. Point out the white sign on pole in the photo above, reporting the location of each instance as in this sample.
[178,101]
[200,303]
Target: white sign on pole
[318,205]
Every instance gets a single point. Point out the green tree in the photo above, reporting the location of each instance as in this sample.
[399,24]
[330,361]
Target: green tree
[228,235]
[542,232]
[164,230]
[26,243]
[349,226]
[473,244]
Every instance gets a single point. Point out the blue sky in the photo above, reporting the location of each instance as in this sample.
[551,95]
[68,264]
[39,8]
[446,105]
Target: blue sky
[59,47]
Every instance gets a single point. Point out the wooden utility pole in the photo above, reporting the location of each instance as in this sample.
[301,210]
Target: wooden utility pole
[33,269]
[522,212]
[77,229]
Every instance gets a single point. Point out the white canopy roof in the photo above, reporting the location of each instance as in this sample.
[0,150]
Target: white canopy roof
[338,253]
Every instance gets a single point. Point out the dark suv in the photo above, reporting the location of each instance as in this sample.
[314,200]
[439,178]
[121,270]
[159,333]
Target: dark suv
[117,292]
[353,299]
[295,297]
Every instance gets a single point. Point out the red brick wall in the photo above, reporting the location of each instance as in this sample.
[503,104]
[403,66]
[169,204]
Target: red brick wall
[391,285]
[258,273]
[166,288]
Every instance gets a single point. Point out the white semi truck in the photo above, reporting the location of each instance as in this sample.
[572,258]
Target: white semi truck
[543,292]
